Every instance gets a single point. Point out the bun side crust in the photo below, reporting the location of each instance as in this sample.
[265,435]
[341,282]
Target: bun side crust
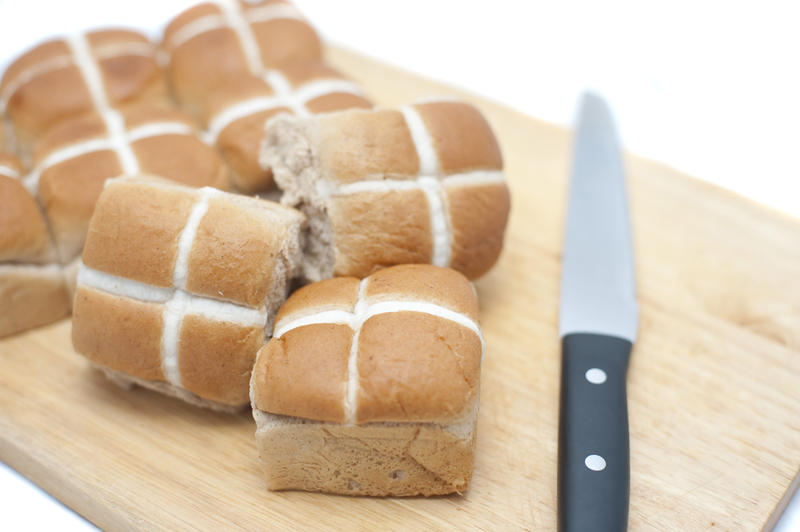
[461,137]
[216,358]
[287,385]
[365,242]
[134,231]
[478,215]
[237,249]
[31,296]
[195,274]
[24,237]
[68,192]
[33,289]
[356,144]
[118,333]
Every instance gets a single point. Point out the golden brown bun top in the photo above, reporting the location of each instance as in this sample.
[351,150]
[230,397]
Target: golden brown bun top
[58,80]
[138,221]
[237,89]
[359,144]
[412,335]
[407,282]
[92,125]
[297,73]
[442,286]
[39,54]
[210,43]
[54,48]
[340,293]
[279,39]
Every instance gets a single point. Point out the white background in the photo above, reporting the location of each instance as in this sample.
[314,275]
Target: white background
[709,87]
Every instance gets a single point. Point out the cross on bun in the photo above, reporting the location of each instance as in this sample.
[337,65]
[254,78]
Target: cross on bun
[423,184]
[73,160]
[32,286]
[178,287]
[215,41]
[371,387]
[238,110]
[71,75]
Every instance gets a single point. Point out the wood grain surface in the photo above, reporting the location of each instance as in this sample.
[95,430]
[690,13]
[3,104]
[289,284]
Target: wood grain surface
[714,383]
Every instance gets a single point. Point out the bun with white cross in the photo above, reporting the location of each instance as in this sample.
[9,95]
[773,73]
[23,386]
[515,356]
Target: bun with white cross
[73,160]
[68,76]
[179,287]
[423,184]
[216,41]
[238,110]
[32,287]
[371,387]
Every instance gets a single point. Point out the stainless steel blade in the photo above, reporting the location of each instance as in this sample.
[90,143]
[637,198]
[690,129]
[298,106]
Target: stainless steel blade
[598,293]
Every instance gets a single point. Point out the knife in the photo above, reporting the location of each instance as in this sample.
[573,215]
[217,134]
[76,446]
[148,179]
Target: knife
[598,319]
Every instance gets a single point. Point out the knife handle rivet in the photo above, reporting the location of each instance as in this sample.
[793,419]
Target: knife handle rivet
[595,462]
[596,375]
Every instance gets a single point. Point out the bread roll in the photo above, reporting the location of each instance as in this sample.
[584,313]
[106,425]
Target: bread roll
[423,184]
[74,159]
[178,287]
[371,387]
[32,287]
[237,112]
[64,77]
[215,41]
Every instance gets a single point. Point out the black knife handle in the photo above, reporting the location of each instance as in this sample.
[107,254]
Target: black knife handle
[593,457]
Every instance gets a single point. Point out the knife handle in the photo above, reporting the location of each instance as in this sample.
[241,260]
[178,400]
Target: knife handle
[593,456]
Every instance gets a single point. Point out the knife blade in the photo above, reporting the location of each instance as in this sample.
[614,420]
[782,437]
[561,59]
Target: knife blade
[598,320]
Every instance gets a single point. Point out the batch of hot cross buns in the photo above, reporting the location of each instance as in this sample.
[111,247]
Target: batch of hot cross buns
[232,222]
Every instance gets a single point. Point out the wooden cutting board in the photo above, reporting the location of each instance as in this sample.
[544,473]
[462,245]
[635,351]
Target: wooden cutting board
[714,383]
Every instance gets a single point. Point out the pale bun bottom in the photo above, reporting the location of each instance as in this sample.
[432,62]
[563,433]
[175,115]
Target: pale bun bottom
[128,382]
[376,459]
[31,296]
